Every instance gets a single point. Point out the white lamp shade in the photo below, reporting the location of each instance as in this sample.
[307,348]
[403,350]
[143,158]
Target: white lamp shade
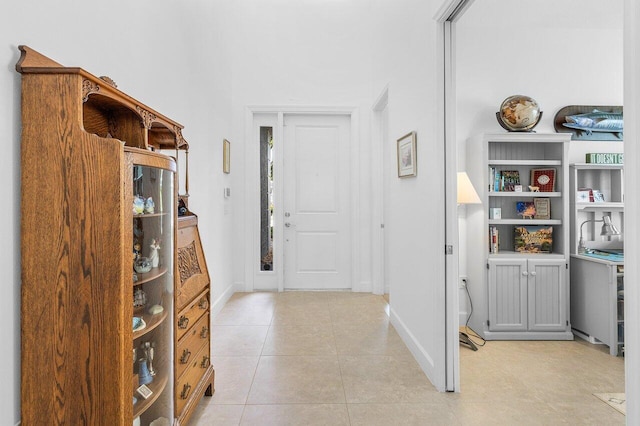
[466,192]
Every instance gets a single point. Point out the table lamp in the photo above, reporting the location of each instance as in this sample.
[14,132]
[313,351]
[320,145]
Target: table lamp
[466,192]
[608,230]
[466,195]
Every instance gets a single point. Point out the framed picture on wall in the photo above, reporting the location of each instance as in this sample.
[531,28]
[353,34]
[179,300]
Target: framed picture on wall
[407,155]
[226,156]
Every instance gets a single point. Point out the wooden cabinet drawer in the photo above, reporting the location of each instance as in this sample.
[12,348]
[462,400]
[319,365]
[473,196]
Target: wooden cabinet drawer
[188,383]
[191,343]
[193,276]
[189,316]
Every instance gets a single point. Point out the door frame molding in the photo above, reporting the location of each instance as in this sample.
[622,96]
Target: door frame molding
[254,279]
[446,16]
[377,197]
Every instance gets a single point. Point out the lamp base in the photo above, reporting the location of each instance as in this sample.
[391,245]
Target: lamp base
[465,340]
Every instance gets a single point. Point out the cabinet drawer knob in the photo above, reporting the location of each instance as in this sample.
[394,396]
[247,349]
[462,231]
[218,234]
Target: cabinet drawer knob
[204,303]
[186,390]
[525,273]
[183,322]
[186,354]
[205,332]
[206,362]
[533,273]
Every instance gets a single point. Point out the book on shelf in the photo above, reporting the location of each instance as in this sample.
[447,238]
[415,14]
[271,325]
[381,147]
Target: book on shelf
[495,179]
[544,179]
[510,178]
[526,209]
[493,239]
[605,158]
[533,239]
[503,180]
[491,178]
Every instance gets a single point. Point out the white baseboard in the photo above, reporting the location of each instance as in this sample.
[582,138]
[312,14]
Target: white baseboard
[363,287]
[419,353]
[218,304]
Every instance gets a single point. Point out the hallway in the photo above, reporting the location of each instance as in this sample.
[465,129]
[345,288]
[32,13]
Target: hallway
[332,358]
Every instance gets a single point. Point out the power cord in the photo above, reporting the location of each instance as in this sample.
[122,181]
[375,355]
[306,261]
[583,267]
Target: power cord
[465,337]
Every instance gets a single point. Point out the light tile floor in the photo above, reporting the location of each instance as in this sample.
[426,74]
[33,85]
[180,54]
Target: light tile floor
[333,358]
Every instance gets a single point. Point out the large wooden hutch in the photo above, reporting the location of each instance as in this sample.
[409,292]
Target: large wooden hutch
[104,274]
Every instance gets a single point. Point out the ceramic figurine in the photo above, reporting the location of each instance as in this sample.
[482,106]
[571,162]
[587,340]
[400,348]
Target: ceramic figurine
[138,205]
[138,324]
[154,257]
[149,351]
[139,298]
[144,377]
[137,250]
[156,309]
[149,205]
[142,265]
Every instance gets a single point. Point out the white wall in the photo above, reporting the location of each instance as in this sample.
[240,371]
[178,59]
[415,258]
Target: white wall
[414,230]
[169,55]
[560,53]
[297,54]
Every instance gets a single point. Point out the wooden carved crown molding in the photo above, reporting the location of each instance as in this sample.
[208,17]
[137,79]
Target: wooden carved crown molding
[147,117]
[109,81]
[180,141]
[88,87]
[188,264]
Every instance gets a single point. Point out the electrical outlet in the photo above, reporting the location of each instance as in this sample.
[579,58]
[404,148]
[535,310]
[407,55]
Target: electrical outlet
[462,283]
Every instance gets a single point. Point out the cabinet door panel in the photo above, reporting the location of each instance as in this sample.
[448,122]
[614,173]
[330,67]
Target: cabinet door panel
[547,295]
[507,295]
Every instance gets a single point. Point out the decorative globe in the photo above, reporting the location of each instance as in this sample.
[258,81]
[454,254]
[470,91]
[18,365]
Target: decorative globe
[519,113]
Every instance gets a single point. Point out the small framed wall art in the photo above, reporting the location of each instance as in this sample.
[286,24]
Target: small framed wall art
[407,155]
[226,156]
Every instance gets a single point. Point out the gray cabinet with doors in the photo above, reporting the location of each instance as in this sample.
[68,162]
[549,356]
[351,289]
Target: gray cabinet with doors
[527,295]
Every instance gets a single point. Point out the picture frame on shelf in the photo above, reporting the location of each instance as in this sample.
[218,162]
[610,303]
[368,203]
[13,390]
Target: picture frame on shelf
[526,209]
[144,391]
[406,150]
[583,196]
[544,179]
[543,208]
[533,239]
[598,196]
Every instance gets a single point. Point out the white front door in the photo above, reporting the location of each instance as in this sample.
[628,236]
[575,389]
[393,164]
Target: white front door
[317,237]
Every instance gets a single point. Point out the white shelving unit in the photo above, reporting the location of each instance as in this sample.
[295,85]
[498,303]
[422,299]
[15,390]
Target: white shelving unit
[609,180]
[527,294]
[597,282]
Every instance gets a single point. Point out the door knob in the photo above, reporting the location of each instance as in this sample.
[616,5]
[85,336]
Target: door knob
[287,225]
[287,214]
